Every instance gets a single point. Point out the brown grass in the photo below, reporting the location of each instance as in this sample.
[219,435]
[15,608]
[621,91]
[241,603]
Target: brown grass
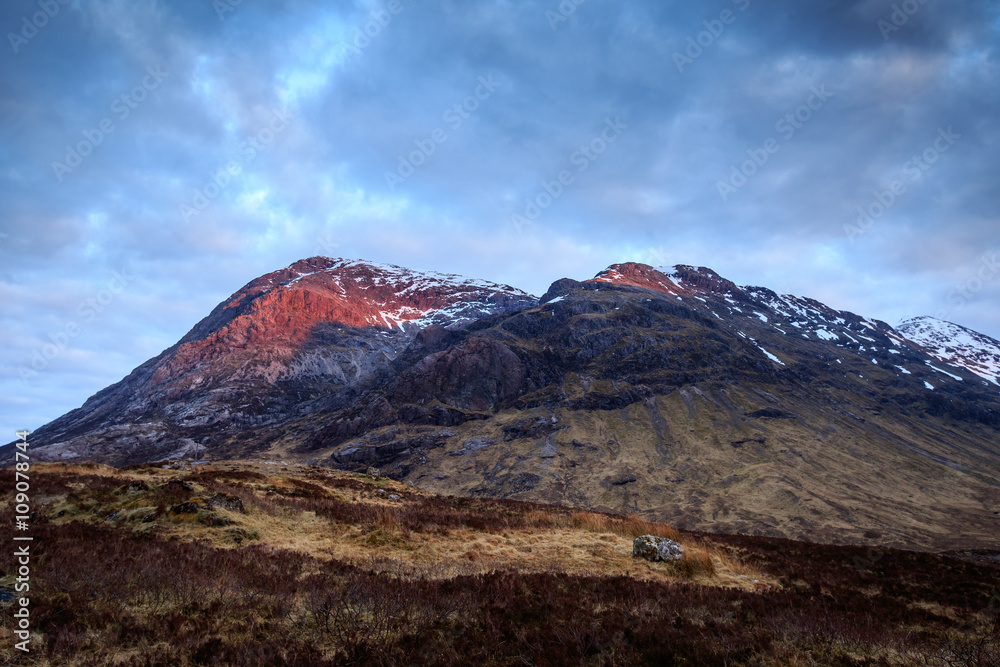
[421,531]
[83,468]
[308,577]
[387,520]
[697,562]
[628,526]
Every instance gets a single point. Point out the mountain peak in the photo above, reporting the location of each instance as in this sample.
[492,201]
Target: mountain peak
[323,322]
[362,270]
[363,293]
[955,345]
[679,280]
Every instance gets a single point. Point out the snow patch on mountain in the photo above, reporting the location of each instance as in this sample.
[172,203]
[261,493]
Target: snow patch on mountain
[954,377]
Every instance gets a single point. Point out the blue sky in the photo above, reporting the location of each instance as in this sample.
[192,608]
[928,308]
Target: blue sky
[156,156]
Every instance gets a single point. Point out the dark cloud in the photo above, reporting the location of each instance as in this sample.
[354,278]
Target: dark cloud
[355,104]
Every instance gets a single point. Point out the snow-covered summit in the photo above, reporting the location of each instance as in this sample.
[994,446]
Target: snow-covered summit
[408,280]
[389,296]
[955,345]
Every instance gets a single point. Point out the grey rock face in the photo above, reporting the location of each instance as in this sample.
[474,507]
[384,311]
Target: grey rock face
[655,549]
[473,445]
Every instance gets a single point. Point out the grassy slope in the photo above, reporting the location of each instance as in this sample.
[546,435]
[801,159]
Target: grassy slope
[323,567]
[697,467]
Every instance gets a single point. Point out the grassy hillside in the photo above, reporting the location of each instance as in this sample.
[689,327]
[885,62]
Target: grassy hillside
[267,564]
[696,459]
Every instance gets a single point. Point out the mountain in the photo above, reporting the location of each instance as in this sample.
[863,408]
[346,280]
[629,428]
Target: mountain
[670,392]
[282,346]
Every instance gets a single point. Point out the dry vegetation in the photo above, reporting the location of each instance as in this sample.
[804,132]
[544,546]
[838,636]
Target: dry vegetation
[146,566]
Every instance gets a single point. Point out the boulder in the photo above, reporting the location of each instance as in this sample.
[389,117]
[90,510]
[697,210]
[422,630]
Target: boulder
[226,502]
[190,507]
[177,486]
[132,487]
[655,549]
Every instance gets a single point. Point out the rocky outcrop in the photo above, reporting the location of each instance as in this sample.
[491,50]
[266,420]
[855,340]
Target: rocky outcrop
[226,502]
[188,507]
[656,549]
[559,288]
[680,280]
[478,374]
[382,449]
[473,445]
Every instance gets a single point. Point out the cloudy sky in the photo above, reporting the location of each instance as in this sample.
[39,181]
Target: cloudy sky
[156,156]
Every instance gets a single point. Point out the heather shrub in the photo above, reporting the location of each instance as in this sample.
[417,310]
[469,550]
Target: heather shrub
[102,594]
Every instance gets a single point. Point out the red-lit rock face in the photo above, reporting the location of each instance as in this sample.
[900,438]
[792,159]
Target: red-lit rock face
[283,345]
[679,280]
[264,325]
